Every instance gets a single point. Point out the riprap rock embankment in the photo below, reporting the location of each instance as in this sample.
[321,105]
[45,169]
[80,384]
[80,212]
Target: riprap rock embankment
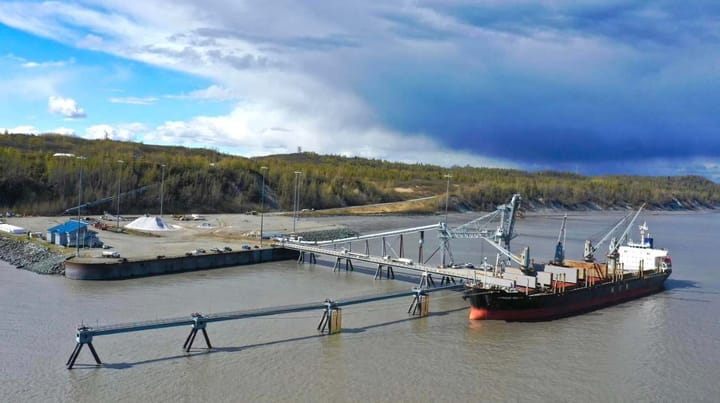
[31,256]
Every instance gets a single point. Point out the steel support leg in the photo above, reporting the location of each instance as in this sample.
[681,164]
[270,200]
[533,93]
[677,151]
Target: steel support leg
[417,307]
[71,361]
[187,340]
[326,322]
[413,305]
[94,353]
[76,350]
[193,333]
[447,280]
[198,324]
[323,321]
[426,281]
[207,339]
[84,336]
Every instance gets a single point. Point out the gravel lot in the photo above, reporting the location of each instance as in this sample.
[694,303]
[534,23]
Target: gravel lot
[233,230]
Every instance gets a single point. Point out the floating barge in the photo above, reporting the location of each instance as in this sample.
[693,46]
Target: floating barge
[122,268]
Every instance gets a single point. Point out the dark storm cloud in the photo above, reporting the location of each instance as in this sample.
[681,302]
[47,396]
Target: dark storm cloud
[665,23]
[593,85]
[536,120]
[567,84]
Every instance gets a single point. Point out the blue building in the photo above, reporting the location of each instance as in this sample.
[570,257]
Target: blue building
[69,233]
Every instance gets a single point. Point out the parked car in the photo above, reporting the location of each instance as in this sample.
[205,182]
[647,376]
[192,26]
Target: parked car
[195,252]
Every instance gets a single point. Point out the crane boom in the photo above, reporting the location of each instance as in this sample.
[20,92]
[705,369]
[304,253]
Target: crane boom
[523,260]
[590,249]
[616,245]
[560,247]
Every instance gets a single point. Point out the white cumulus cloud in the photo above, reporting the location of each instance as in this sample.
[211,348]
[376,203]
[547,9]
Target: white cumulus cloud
[254,130]
[66,107]
[133,100]
[20,130]
[52,63]
[65,131]
[211,93]
[121,132]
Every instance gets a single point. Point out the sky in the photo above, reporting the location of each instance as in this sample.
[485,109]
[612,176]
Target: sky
[593,87]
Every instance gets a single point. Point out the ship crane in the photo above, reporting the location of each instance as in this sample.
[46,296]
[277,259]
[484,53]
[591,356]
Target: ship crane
[499,237]
[523,260]
[614,245]
[560,247]
[479,228]
[590,249]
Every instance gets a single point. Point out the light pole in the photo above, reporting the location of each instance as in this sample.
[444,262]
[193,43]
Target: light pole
[262,202]
[117,212]
[447,196]
[162,187]
[296,202]
[79,157]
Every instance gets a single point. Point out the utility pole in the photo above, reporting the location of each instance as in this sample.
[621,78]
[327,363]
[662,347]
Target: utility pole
[117,211]
[162,187]
[447,197]
[81,158]
[77,239]
[262,203]
[296,202]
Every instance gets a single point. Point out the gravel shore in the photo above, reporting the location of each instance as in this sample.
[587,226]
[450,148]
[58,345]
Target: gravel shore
[31,256]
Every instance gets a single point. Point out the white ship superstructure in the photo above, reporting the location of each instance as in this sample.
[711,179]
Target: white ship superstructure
[635,254]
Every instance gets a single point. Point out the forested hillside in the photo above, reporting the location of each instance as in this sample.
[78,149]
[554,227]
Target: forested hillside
[35,181]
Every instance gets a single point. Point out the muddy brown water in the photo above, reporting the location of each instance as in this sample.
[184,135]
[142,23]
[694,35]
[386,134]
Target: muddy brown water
[665,347]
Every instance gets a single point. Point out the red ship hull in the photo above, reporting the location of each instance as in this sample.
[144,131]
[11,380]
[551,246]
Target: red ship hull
[502,305]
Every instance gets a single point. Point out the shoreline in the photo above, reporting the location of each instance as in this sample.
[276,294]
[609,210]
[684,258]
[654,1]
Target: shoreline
[32,255]
[26,255]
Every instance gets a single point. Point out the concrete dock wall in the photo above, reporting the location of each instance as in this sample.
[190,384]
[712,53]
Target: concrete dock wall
[117,269]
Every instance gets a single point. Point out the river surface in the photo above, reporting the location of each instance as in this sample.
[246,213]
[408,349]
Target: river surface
[665,347]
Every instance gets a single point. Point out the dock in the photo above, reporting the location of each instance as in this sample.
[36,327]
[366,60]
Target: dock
[388,259]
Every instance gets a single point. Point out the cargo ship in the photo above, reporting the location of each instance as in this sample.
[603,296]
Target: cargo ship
[560,288]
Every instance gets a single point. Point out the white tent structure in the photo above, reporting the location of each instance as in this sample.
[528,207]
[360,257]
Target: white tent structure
[150,223]
[12,229]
